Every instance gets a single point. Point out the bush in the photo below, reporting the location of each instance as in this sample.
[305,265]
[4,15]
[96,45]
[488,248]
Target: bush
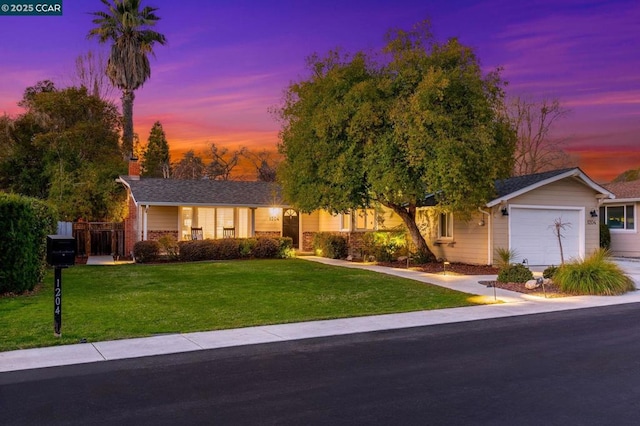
[196,250]
[246,246]
[385,246]
[596,275]
[330,245]
[285,248]
[24,227]
[227,248]
[550,272]
[266,248]
[169,246]
[605,237]
[146,251]
[516,273]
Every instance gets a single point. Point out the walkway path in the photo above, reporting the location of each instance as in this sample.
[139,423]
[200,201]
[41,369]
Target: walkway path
[513,304]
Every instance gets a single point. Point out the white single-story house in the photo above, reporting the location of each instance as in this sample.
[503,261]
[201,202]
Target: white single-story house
[619,215]
[521,217]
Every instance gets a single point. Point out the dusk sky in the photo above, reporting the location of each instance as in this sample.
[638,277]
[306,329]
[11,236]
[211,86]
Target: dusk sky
[227,62]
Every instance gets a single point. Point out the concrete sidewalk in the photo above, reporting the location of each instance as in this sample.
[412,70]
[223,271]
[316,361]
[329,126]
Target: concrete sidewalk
[513,304]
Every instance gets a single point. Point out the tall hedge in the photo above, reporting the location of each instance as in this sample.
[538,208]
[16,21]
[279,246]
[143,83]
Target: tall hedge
[24,225]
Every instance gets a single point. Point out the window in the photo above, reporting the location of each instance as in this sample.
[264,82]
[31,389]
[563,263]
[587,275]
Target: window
[445,228]
[365,219]
[618,217]
[345,222]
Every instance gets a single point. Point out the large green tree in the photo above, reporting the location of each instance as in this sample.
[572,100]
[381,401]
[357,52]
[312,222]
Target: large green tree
[420,119]
[129,29]
[157,161]
[64,148]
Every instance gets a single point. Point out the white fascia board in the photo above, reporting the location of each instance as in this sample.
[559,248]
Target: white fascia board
[576,173]
[621,200]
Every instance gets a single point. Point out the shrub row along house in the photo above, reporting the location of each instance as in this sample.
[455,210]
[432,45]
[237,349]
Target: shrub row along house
[522,217]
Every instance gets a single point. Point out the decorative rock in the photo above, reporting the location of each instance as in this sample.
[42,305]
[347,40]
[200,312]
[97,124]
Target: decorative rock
[531,284]
[349,258]
[547,281]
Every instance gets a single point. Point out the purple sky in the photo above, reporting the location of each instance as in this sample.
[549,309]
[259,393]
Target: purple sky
[228,62]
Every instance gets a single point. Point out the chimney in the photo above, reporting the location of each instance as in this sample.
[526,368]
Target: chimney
[134,168]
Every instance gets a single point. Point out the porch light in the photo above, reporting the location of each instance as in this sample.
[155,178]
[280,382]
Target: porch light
[593,213]
[504,211]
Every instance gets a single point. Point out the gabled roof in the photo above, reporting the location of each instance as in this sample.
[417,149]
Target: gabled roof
[175,192]
[513,187]
[625,191]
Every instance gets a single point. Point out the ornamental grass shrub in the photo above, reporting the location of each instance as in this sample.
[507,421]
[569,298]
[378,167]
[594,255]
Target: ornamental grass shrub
[24,225]
[595,275]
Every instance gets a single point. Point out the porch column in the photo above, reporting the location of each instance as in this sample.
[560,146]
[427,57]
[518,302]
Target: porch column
[144,223]
[252,222]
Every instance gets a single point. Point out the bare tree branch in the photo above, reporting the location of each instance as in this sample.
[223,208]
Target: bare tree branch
[536,149]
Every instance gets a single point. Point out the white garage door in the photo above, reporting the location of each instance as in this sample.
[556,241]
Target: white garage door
[532,235]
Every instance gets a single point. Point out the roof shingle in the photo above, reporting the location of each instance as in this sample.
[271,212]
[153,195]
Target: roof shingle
[204,192]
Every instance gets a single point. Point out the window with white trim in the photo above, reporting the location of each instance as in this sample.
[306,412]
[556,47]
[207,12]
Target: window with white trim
[345,222]
[445,226]
[618,217]
[365,219]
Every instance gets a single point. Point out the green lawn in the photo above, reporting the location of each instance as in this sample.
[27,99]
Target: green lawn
[116,302]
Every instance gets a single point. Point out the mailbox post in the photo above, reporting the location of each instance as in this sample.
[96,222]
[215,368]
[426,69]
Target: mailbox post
[61,253]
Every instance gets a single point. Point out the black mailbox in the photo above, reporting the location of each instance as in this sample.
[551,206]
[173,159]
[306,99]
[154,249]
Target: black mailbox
[61,250]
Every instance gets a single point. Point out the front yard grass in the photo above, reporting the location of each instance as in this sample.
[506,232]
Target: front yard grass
[116,302]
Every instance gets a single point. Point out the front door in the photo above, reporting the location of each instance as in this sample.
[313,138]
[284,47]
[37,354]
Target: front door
[290,225]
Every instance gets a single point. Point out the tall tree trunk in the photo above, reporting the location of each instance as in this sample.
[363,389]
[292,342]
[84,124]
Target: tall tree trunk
[408,216]
[127,125]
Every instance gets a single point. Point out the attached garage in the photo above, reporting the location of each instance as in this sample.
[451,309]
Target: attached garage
[533,234]
[521,218]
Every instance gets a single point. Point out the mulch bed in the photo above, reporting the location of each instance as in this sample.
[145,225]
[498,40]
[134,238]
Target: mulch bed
[551,290]
[438,268]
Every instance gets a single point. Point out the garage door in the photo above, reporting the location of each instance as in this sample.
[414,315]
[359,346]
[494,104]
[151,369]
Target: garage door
[532,234]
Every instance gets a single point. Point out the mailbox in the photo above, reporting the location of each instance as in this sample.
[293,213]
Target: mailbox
[61,250]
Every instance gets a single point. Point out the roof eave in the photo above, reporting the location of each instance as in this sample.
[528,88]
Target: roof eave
[576,173]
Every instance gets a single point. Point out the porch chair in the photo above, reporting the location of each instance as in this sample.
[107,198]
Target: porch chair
[196,234]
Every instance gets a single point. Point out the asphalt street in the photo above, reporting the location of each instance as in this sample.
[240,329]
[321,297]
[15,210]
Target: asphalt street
[578,367]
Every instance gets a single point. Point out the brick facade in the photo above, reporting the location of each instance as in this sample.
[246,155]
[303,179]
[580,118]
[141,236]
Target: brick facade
[156,235]
[130,228]
[268,234]
[355,242]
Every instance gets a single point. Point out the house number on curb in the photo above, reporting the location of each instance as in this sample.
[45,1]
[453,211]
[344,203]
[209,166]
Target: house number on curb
[57,303]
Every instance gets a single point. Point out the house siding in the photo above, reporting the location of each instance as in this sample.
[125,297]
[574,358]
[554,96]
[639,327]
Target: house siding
[265,226]
[161,218]
[328,222]
[469,243]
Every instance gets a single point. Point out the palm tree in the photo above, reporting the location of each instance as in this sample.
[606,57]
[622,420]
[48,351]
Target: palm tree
[129,29]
